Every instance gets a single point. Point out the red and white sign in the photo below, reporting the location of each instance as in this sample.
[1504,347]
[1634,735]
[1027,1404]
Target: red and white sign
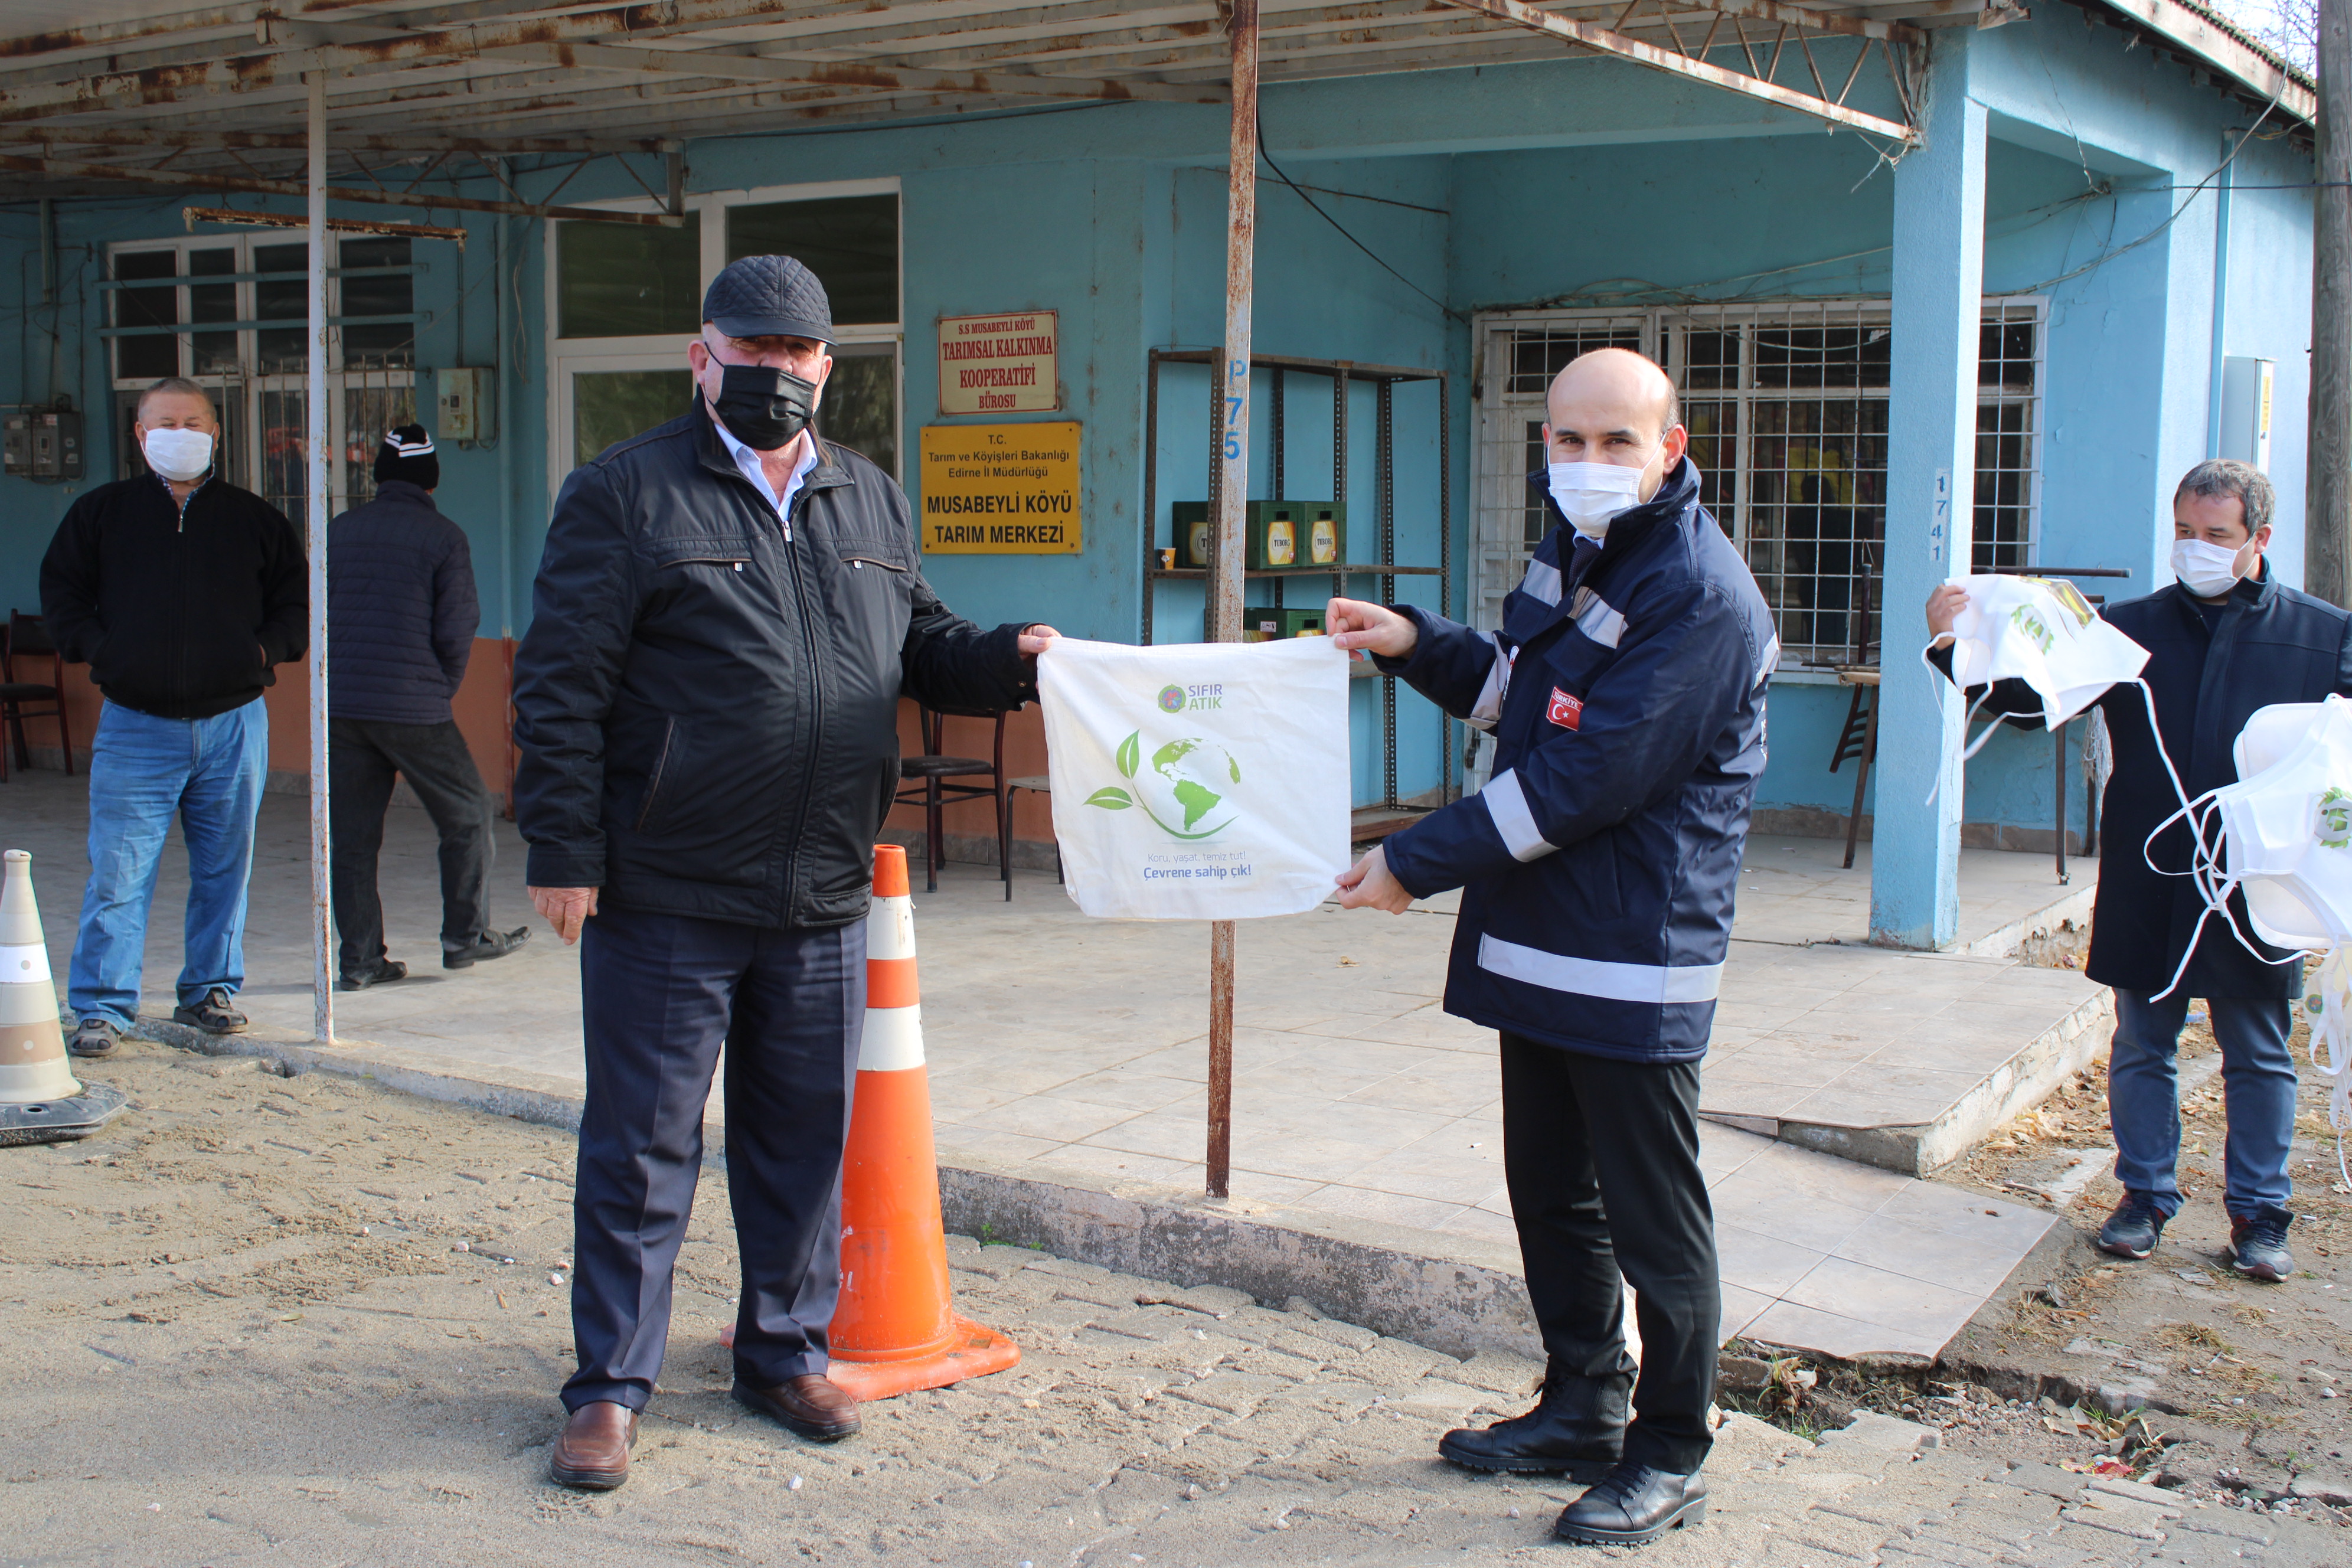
[1565,710]
[999,365]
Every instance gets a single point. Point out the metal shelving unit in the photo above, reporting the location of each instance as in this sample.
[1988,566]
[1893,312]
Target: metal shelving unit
[1342,373]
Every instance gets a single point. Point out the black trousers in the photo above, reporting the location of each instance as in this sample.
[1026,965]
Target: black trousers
[363,756]
[1602,1158]
[659,994]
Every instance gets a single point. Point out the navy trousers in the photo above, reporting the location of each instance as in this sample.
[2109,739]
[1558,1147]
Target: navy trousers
[659,995]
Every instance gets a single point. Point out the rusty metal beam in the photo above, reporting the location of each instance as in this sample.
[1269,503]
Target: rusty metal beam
[1228,532]
[236,217]
[1601,41]
[66,169]
[875,74]
[69,134]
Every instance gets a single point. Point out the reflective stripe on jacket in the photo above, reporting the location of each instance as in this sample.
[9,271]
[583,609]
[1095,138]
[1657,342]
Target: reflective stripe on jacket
[1626,692]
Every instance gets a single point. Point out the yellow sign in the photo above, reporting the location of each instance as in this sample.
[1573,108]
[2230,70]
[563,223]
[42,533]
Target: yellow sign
[1001,490]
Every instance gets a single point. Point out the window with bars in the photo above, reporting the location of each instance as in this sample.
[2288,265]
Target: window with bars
[231,311]
[1787,405]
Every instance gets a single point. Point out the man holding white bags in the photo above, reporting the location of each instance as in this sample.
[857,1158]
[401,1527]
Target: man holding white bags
[1625,693]
[2224,639]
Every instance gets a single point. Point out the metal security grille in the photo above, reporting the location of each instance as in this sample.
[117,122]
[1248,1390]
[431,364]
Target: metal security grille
[1786,403]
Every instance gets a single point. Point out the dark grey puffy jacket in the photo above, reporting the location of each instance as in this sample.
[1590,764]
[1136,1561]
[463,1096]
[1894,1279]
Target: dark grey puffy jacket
[401,611]
[706,705]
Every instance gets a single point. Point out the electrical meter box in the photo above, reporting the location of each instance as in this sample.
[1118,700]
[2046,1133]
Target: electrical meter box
[2246,410]
[1282,534]
[464,404]
[44,444]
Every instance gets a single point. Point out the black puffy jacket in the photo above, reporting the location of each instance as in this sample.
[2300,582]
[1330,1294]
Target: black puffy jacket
[401,611]
[706,705]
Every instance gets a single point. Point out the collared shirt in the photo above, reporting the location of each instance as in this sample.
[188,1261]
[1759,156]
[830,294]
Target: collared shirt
[748,462]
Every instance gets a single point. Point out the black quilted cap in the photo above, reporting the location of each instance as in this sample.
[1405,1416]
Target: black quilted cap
[769,297]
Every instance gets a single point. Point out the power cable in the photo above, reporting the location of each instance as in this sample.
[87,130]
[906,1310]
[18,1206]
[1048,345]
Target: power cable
[1300,191]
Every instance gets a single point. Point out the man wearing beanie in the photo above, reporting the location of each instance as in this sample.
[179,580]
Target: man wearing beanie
[401,617]
[727,613]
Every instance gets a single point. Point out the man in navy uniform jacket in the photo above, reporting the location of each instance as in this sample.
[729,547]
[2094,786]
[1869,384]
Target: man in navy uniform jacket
[1625,693]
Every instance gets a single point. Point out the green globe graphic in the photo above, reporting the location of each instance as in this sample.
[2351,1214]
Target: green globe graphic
[1185,784]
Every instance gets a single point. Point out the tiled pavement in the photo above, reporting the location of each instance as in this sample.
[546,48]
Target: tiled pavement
[1081,1045]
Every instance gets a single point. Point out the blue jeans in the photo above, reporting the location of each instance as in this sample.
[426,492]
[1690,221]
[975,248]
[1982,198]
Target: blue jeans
[2258,1086]
[143,770]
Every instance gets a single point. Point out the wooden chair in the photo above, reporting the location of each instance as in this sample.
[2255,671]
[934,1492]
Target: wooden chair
[25,637]
[927,780]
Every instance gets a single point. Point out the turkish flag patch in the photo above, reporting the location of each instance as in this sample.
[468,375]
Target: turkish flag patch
[1565,710]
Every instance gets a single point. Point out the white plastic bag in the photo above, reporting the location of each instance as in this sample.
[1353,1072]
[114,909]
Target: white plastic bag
[1199,781]
[2043,632]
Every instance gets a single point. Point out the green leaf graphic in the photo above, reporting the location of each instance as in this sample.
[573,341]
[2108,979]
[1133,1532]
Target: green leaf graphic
[1131,753]
[1110,799]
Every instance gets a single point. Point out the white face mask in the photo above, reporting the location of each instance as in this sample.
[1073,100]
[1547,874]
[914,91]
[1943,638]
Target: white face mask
[2207,571]
[181,455]
[1591,495]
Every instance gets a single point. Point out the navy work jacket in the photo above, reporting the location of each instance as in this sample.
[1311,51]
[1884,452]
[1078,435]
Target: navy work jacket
[1626,698]
[2271,645]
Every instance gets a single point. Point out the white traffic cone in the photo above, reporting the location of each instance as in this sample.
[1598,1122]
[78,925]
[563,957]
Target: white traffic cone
[40,1100]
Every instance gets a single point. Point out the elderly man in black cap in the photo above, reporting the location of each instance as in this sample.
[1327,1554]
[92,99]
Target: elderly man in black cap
[402,614]
[727,613]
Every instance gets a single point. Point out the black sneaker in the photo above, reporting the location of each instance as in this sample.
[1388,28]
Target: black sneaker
[1632,1505]
[494,945]
[2135,1228]
[214,1015]
[376,974]
[95,1037]
[2258,1245]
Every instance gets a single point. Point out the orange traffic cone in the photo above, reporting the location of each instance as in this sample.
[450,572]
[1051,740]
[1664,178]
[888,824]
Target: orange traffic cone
[895,1329]
[40,1100]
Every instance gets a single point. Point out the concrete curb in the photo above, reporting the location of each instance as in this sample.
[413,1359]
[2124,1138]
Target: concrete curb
[1455,1294]
[1916,1149]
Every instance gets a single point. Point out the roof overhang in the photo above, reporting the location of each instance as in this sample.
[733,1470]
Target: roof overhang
[145,91]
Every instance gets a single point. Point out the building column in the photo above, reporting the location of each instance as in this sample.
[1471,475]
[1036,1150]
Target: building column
[1930,495]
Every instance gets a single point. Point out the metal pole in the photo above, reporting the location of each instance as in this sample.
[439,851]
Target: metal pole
[1228,534]
[315,531]
[2327,522]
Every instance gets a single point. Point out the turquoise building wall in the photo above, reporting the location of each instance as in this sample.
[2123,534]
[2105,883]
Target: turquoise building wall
[1485,188]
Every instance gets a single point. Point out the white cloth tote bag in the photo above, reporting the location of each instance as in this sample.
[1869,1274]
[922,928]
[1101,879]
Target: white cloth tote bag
[1198,780]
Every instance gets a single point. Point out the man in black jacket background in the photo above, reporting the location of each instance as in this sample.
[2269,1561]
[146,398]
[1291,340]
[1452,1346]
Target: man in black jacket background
[727,612]
[2226,638]
[179,591]
[401,614]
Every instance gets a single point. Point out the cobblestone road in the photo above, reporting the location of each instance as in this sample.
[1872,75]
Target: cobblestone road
[242,1333]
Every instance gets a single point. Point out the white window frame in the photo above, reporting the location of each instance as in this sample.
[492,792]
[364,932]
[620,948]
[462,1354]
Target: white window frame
[245,387]
[1499,548]
[663,350]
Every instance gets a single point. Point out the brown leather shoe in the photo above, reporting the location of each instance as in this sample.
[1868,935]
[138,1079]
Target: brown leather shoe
[594,1452]
[812,1406]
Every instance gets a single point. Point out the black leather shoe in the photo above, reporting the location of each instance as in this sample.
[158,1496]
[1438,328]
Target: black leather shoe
[494,945]
[1632,1505]
[381,971]
[1578,1430]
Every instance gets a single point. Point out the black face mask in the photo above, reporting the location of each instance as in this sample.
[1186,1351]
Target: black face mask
[764,408]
